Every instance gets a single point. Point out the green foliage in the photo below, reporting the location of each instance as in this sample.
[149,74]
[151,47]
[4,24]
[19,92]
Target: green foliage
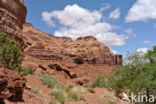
[63,64]
[74,95]
[54,92]
[140,71]
[99,82]
[91,90]
[26,71]
[85,86]
[36,91]
[10,52]
[50,81]
[59,96]
[86,74]
[68,89]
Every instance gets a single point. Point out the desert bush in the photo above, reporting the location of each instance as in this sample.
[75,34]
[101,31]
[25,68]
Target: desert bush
[85,86]
[59,96]
[36,91]
[69,88]
[10,52]
[26,71]
[74,95]
[91,90]
[50,81]
[55,91]
[99,82]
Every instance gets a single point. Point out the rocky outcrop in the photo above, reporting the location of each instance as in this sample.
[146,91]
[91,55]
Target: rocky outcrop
[47,47]
[64,69]
[11,85]
[12,17]
[89,49]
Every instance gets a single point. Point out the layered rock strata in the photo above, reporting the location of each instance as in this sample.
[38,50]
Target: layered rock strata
[47,47]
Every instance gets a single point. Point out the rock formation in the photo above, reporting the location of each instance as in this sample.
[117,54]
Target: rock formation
[11,85]
[12,17]
[47,47]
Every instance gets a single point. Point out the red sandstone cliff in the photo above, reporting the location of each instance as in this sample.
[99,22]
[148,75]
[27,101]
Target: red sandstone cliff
[43,46]
[46,52]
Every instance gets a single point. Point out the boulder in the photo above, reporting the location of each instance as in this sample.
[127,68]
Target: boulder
[11,85]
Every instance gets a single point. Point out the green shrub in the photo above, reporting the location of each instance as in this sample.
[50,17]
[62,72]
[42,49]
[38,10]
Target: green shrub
[74,95]
[50,81]
[69,88]
[91,90]
[85,86]
[26,71]
[10,52]
[99,82]
[59,96]
[63,64]
[54,92]
[36,91]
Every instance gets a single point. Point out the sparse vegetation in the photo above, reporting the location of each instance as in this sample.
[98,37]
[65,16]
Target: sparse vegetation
[99,82]
[55,91]
[68,89]
[59,96]
[63,64]
[26,71]
[50,81]
[91,90]
[36,91]
[85,86]
[74,95]
[10,52]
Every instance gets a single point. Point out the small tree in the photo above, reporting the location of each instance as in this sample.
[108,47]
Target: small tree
[10,52]
[138,75]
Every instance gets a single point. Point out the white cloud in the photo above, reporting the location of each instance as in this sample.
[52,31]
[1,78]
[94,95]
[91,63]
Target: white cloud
[130,32]
[142,10]
[146,42]
[142,51]
[115,52]
[80,22]
[104,7]
[115,14]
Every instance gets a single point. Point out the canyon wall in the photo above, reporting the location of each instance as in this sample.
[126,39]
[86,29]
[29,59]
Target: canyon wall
[48,47]
[12,16]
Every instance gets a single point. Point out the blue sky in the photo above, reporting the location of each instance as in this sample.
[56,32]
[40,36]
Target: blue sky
[123,25]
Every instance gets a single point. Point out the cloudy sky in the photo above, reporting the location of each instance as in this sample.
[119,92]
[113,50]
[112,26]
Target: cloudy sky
[123,25]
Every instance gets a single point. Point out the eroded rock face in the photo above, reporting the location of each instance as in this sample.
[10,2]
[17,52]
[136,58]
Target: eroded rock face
[47,47]
[12,17]
[11,85]
[63,69]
